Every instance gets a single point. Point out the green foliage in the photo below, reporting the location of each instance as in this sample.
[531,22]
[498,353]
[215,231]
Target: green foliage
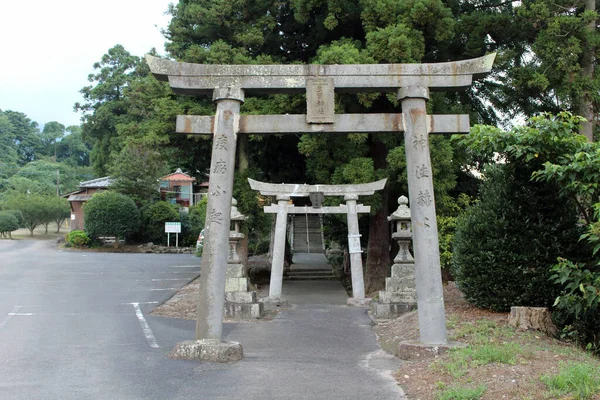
[577,380]
[109,213]
[153,218]
[505,244]
[35,209]
[194,222]
[258,224]
[578,306]
[513,210]
[136,170]
[17,214]
[8,223]
[78,238]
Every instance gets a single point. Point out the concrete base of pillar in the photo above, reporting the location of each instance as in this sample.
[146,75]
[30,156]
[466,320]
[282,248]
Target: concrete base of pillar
[390,310]
[208,350]
[354,302]
[243,310]
[415,350]
[273,304]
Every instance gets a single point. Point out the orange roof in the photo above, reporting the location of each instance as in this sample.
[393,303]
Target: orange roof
[178,176]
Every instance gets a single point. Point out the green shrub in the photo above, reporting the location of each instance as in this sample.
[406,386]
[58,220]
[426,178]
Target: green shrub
[78,238]
[18,215]
[193,222]
[111,214]
[153,221]
[578,307]
[506,244]
[8,223]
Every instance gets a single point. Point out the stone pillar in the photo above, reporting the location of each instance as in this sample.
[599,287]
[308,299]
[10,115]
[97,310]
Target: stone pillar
[211,294]
[428,277]
[355,250]
[278,249]
[399,295]
[240,302]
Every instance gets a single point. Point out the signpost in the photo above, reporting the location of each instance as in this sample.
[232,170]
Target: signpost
[173,227]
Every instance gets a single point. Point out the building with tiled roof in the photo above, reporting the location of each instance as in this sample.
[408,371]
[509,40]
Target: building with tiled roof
[79,197]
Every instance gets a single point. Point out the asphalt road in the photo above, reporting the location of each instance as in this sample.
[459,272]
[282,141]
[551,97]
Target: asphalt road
[75,325]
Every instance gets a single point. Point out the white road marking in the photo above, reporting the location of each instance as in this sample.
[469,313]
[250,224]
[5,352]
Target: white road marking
[145,327]
[20,314]
[9,316]
[185,266]
[170,279]
[141,302]
[158,290]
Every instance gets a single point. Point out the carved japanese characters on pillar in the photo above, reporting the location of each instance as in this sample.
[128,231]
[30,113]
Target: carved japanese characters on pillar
[320,106]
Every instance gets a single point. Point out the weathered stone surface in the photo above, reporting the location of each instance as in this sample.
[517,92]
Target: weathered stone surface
[236,284]
[235,271]
[208,350]
[359,302]
[241,297]
[341,209]
[320,106]
[403,271]
[187,78]
[404,296]
[344,123]
[388,311]
[296,190]
[428,277]
[273,304]
[415,350]
[243,310]
[398,285]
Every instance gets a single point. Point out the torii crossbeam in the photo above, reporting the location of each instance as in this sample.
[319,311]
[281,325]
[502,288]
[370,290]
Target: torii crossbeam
[228,85]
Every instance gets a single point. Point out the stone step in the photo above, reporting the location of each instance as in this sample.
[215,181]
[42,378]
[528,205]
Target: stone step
[308,273]
[312,278]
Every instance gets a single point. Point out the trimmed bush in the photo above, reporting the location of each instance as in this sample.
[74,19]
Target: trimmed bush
[505,245]
[153,219]
[8,223]
[111,214]
[78,238]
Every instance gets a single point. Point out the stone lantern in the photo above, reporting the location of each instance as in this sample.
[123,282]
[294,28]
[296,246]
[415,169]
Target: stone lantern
[240,301]
[399,295]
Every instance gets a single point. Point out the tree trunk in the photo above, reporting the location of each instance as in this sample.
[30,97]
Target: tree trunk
[378,248]
[536,318]
[116,242]
[242,152]
[586,107]
[31,231]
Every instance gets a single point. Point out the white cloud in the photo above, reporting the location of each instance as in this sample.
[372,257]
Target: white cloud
[49,48]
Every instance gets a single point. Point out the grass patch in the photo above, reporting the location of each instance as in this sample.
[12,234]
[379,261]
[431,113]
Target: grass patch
[461,393]
[579,380]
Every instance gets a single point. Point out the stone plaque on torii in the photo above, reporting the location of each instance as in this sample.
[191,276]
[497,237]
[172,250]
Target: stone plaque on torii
[228,85]
[284,192]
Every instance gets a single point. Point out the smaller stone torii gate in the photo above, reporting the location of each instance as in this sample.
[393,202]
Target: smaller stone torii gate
[228,84]
[284,192]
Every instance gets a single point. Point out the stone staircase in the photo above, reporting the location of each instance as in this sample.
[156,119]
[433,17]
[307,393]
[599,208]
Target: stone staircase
[307,233]
[310,267]
[311,275]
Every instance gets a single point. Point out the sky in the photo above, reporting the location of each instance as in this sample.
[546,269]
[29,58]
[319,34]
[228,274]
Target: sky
[48,49]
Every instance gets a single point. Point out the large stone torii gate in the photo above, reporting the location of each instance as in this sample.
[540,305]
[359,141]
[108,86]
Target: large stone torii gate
[228,85]
[284,192]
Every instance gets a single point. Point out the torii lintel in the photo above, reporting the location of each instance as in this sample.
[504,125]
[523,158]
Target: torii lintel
[187,78]
[297,190]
